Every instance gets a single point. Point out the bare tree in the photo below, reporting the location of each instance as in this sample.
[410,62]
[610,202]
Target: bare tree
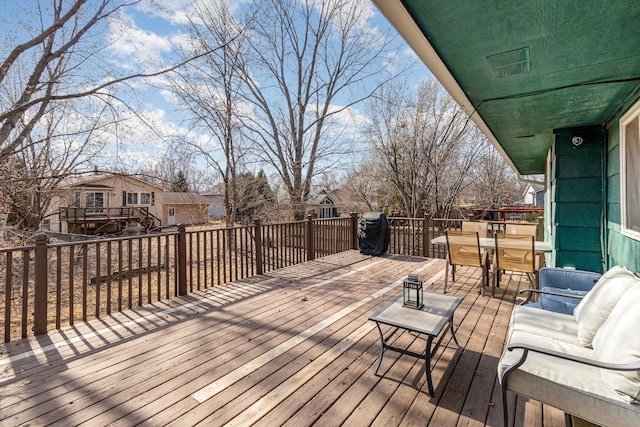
[425,146]
[46,69]
[66,138]
[61,72]
[494,182]
[365,187]
[208,91]
[304,60]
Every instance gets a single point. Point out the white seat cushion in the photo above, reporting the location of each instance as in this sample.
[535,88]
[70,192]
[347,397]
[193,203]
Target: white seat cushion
[618,341]
[596,306]
[557,326]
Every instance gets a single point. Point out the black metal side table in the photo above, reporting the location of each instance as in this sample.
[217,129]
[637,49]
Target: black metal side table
[432,320]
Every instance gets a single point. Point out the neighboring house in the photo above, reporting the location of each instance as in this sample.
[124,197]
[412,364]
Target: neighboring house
[336,203]
[530,195]
[324,205]
[555,87]
[109,203]
[184,208]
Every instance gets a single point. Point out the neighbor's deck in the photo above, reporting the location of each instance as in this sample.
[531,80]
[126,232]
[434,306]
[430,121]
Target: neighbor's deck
[293,347]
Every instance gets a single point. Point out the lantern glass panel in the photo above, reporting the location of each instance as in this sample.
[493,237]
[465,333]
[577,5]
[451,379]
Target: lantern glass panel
[412,292]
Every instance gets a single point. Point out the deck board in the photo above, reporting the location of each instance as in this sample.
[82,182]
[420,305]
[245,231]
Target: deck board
[292,347]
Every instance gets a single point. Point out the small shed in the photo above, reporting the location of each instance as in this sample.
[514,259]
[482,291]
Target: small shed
[185,208]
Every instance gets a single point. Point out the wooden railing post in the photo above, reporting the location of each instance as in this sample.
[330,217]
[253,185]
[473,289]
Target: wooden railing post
[182,260]
[41,284]
[310,239]
[426,236]
[258,241]
[354,230]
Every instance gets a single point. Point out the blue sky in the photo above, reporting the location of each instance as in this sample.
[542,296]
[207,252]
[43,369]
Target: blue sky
[147,37]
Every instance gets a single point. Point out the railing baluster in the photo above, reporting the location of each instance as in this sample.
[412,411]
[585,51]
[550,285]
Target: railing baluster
[85,276]
[25,291]
[181,261]
[71,284]
[204,260]
[219,282]
[120,275]
[235,252]
[58,286]
[130,273]
[8,296]
[149,268]
[190,261]
[108,278]
[98,280]
[198,260]
[212,235]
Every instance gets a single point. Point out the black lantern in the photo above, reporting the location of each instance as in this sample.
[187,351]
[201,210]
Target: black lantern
[412,291]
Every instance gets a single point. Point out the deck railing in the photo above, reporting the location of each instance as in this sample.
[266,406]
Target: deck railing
[47,286]
[52,285]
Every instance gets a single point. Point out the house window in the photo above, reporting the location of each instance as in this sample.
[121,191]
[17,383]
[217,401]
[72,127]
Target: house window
[629,172]
[140,198]
[145,198]
[45,224]
[94,201]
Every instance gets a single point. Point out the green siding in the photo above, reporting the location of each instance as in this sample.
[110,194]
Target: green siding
[577,200]
[579,190]
[578,239]
[578,214]
[621,250]
[580,260]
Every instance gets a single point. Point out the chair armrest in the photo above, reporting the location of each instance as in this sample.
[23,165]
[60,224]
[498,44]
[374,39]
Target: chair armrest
[582,360]
[580,280]
[531,292]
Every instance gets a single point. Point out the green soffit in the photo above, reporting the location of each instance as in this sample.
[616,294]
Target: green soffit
[529,67]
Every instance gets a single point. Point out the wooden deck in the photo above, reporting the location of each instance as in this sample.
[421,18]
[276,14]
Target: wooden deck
[293,347]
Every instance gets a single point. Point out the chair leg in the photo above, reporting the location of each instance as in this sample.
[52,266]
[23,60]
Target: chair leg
[505,409]
[446,275]
[485,273]
[534,280]
[495,278]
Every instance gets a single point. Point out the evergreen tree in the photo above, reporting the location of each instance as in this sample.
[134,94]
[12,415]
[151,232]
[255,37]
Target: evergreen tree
[257,199]
[180,184]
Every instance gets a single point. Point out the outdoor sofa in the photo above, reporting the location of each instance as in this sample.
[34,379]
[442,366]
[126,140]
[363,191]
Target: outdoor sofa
[586,363]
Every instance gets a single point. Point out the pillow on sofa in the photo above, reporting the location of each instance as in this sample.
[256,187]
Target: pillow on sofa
[595,307]
[618,341]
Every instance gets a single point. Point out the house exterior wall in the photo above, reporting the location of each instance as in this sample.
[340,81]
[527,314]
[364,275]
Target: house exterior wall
[114,185]
[577,201]
[621,249]
[186,214]
[123,184]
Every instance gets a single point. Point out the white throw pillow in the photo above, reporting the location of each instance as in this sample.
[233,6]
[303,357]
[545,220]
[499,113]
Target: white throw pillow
[618,341]
[595,307]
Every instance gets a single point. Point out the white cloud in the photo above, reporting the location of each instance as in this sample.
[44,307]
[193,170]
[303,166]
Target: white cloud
[130,43]
[179,12]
